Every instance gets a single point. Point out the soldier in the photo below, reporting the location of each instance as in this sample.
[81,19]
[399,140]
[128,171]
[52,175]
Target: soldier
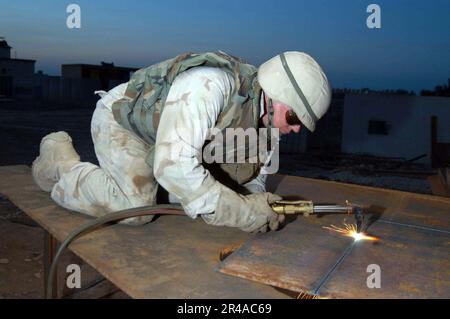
[153,129]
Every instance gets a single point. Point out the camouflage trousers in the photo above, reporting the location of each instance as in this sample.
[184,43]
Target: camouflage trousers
[122,180]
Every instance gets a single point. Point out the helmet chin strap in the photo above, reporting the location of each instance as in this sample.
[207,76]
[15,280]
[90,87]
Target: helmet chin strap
[269,122]
[270,113]
[270,116]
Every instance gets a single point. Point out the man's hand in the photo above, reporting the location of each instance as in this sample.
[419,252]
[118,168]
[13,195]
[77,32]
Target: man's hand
[251,213]
[265,216]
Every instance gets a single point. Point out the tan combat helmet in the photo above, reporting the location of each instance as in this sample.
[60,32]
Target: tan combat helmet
[296,79]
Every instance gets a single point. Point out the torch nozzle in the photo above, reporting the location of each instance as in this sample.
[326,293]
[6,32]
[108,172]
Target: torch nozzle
[357,211]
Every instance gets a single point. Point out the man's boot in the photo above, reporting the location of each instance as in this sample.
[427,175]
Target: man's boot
[56,157]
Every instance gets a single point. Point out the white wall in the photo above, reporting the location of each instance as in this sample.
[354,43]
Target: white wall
[409,118]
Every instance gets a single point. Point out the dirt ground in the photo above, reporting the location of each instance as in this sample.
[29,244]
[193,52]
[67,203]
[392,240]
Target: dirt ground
[21,240]
[416,184]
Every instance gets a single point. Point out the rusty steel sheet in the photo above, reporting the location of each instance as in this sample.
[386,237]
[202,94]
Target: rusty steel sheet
[414,263]
[294,258]
[412,250]
[172,257]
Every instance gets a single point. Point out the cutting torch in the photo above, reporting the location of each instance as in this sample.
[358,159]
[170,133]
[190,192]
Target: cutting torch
[307,207]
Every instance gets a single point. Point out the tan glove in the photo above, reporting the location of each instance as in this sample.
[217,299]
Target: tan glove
[250,213]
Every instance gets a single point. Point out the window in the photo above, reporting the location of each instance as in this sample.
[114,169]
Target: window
[377,127]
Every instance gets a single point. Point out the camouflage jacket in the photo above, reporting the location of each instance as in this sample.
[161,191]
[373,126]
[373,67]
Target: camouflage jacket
[141,107]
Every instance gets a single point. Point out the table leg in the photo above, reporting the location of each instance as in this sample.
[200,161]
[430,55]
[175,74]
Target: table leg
[50,246]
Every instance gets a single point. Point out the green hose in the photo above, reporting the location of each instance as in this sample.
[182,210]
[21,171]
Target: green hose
[169,209]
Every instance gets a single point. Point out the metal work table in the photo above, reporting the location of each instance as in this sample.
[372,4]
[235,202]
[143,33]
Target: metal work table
[177,257]
[172,257]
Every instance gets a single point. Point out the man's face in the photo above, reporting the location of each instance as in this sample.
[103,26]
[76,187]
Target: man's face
[279,118]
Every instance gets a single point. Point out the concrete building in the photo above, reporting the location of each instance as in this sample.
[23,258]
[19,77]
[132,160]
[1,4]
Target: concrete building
[397,126]
[78,82]
[106,73]
[16,75]
[385,125]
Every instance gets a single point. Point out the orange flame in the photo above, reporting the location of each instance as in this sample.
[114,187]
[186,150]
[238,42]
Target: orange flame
[349,230]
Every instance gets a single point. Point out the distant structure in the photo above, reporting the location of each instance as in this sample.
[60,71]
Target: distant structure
[439,90]
[367,91]
[105,73]
[16,75]
[5,49]
[75,87]
[78,82]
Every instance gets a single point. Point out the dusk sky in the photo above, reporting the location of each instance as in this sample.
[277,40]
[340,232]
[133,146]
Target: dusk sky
[410,51]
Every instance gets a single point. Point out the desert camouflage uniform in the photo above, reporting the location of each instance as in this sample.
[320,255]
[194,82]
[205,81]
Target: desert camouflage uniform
[127,177]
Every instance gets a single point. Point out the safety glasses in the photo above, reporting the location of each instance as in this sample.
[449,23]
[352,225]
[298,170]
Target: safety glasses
[292,118]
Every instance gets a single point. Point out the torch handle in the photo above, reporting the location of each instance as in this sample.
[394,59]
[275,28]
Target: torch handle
[290,207]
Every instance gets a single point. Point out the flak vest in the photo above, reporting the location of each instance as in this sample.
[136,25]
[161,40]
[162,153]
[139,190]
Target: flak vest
[141,107]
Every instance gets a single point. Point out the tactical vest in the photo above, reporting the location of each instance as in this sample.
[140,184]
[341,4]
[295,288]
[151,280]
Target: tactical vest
[142,105]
